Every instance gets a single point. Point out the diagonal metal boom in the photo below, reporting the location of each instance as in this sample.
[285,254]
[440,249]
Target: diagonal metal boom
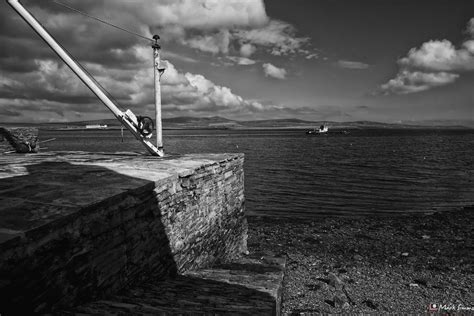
[88,80]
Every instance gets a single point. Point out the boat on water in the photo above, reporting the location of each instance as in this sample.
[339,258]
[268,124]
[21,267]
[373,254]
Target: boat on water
[323,129]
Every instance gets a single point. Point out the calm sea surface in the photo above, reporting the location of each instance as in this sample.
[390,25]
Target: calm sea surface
[293,174]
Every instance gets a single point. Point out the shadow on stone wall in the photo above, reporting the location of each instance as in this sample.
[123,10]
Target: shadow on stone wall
[63,252]
[78,233]
[187,295]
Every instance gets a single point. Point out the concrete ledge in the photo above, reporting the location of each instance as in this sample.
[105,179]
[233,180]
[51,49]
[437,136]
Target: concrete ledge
[78,226]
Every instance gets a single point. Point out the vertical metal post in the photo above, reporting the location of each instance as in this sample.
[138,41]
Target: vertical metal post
[158,72]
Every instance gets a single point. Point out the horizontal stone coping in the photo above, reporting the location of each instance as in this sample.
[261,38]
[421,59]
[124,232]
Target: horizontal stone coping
[38,191]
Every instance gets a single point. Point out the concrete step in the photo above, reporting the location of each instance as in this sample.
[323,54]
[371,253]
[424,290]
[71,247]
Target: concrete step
[248,286]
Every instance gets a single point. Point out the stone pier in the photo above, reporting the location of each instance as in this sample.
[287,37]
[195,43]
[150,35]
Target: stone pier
[94,233]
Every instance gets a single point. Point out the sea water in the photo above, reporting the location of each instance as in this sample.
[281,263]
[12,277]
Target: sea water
[290,173]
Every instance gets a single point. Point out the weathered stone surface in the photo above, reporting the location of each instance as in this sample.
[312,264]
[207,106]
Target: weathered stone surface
[19,139]
[246,286]
[80,226]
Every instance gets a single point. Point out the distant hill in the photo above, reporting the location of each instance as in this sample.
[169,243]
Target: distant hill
[217,122]
[292,122]
[188,119]
[430,123]
[199,122]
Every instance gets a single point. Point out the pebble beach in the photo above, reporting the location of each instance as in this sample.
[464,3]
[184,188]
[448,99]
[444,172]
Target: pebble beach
[402,264]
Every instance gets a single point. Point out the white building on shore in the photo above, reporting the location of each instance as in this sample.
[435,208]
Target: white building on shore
[96,126]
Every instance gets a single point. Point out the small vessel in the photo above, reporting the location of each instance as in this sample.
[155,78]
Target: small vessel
[323,129]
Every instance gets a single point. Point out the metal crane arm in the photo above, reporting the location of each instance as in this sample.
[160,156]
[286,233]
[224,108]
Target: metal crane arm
[125,118]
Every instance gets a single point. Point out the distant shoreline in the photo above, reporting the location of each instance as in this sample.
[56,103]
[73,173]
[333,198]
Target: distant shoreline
[222,123]
[264,128]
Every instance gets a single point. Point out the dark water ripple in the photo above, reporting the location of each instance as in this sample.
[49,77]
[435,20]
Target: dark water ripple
[290,173]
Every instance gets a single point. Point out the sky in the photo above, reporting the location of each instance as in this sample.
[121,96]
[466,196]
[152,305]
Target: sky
[334,60]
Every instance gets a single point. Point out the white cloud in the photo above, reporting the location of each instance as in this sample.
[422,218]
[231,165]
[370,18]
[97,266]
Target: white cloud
[227,27]
[278,36]
[194,92]
[439,56]
[211,25]
[218,22]
[122,64]
[171,75]
[42,110]
[58,90]
[435,63]
[175,56]
[197,14]
[470,27]
[51,81]
[415,81]
[207,25]
[273,71]
[246,50]
[60,95]
[352,64]
[469,46]
[242,60]
[312,56]
[57,79]
[212,94]
[215,43]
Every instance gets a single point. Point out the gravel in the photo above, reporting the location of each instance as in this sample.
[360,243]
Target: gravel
[371,264]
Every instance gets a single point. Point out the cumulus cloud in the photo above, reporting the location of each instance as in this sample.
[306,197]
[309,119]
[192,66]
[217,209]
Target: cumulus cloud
[214,43]
[312,55]
[211,25]
[121,63]
[194,93]
[206,25]
[469,46]
[470,27]
[352,64]
[278,36]
[51,81]
[273,71]
[197,14]
[60,96]
[246,50]
[440,56]
[180,57]
[55,92]
[435,63]
[242,60]
[43,110]
[415,81]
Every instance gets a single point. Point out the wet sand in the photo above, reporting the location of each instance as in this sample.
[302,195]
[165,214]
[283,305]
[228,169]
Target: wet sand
[372,264]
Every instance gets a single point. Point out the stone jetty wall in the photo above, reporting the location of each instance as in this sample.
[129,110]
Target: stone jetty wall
[145,218]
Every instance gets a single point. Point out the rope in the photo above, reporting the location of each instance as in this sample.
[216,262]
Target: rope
[102,21]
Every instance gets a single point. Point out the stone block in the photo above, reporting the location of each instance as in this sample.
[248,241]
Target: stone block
[80,226]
